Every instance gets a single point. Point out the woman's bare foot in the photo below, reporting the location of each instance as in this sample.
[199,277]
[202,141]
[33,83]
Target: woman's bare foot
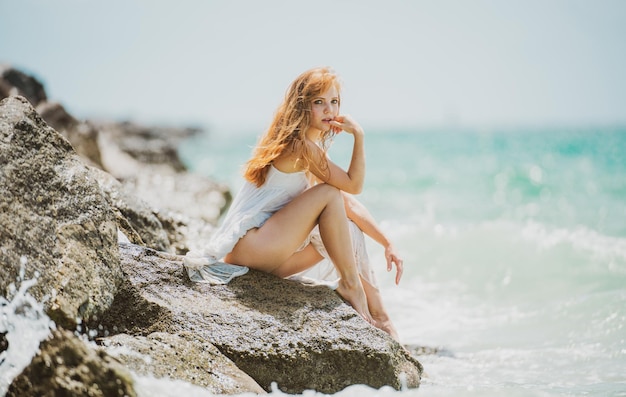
[384,323]
[355,296]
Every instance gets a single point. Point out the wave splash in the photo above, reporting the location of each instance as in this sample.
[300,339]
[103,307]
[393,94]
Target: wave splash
[23,325]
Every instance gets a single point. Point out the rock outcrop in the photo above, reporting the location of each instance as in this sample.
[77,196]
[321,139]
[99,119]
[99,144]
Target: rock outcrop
[135,218]
[66,366]
[55,215]
[275,330]
[82,135]
[145,161]
[15,82]
[181,356]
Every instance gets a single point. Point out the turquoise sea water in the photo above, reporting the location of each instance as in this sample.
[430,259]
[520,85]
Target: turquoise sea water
[515,247]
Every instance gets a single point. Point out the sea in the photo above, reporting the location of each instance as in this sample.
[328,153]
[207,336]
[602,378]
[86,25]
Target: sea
[514,245]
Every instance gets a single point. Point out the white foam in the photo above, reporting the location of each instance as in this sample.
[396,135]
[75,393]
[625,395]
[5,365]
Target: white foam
[25,323]
[581,238]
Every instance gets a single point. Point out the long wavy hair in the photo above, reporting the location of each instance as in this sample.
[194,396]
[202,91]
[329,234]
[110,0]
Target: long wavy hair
[290,123]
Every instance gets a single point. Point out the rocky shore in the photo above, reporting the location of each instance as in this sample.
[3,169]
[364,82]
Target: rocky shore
[99,213]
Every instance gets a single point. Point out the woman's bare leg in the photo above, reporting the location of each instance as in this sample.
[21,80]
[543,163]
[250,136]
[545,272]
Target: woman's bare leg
[299,262]
[377,309]
[269,247]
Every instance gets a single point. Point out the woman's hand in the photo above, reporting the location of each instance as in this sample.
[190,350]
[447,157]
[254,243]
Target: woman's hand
[392,257]
[347,124]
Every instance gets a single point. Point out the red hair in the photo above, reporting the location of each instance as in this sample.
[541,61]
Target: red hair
[290,124]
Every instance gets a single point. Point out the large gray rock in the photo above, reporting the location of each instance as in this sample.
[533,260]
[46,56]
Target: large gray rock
[163,187]
[276,330]
[82,135]
[146,162]
[134,216]
[184,357]
[55,217]
[66,366]
[147,145]
[15,82]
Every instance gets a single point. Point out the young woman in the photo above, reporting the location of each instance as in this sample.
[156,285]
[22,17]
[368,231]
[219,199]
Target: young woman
[292,189]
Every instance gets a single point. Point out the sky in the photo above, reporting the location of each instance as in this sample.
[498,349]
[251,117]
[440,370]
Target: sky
[403,63]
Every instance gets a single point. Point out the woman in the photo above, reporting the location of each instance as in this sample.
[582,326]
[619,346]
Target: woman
[269,225]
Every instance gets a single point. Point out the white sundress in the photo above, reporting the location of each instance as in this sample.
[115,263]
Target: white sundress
[251,208]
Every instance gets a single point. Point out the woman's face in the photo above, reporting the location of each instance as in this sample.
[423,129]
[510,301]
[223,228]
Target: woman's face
[324,108]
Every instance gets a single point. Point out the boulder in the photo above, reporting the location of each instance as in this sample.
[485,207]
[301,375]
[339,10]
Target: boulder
[82,135]
[55,218]
[162,182]
[275,330]
[147,145]
[183,357]
[66,366]
[187,205]
[135,218]
[191,195]
[15,82]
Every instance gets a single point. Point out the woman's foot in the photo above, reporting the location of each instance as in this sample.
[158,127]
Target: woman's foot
[355,296]
[383,322]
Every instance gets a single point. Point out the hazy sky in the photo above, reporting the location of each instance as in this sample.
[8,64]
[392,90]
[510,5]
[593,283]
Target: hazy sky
[403,63]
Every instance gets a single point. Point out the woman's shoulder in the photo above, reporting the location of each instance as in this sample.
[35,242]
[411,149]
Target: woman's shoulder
[288,162]
[300,158]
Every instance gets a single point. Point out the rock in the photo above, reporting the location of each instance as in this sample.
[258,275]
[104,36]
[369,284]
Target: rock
[55,218]
[183,357]
[66,366]
[418,350]
[276,330]
[145,224]
[162,183]
[6,89]
[16,82]
[134,216]
[82,135]
[188,194]
[4,343]
[148,145]
[187,205]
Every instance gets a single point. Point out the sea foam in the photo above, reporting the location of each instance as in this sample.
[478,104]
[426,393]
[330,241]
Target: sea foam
[25,325]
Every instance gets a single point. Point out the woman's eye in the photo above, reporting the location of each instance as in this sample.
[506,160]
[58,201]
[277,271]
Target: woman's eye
[317,102]
[334,101]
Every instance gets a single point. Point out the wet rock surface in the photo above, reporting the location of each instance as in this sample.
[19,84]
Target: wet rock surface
[67,366]
[275,330]
[182,356]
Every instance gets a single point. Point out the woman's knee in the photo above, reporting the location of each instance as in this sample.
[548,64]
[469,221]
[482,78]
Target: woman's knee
[330,192]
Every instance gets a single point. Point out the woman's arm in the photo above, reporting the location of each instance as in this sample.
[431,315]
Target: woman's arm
[350,181]
[358,214]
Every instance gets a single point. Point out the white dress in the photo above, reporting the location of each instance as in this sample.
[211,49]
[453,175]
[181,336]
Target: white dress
[251,208]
